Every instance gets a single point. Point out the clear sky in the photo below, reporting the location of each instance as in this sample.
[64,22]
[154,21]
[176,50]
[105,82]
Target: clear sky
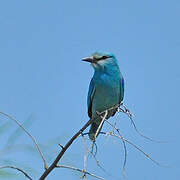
[44,80]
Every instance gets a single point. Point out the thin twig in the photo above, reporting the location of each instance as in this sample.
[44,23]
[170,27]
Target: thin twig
[32,138]
[61,146]
[85,156]
[138,148]
[124,144]
[80,170]
[125,149]
[100,125]
[97,161]
[18,169]
[59,156]
[91,151]
[130,115]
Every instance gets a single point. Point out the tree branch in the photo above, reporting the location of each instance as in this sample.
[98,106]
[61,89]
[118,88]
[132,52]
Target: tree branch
[102,121]
[63,150]
[129,142]
[85,153]
[18,169]
[130,115]
[32,138]
[80,170]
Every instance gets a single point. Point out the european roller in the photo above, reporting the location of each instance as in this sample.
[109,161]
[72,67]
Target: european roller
[106,88]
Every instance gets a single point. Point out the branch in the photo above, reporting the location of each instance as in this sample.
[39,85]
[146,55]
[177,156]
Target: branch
[80,170]
[32,138]
[130,115]
[18,169]
[129,142]
[85,154]
[97,161]
[63,150]
[99,127]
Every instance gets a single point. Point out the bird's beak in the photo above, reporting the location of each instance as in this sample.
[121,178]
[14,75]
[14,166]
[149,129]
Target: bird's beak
[88,59]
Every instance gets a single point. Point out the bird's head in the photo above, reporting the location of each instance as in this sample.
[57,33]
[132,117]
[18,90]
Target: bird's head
[99,60]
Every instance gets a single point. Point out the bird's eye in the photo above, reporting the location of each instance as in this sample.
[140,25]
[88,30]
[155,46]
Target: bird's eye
[104,57]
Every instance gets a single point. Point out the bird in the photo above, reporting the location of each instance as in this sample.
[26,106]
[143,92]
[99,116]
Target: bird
[106,89]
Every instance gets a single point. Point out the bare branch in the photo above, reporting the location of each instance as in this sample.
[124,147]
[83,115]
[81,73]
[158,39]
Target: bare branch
[129,142]
[139,149]
[97,161]
[91,152]
[124,146]
[18,169]
[100,125]
[61,146]
[59,156]
[123,141]
[130,115]
[32,138]
[80,170]
[80,132]
[85,155]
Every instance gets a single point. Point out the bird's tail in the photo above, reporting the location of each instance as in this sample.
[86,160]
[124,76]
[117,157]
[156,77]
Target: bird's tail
[95,129]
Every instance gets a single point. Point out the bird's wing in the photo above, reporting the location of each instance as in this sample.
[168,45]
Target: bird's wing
[121,89]
[91,93]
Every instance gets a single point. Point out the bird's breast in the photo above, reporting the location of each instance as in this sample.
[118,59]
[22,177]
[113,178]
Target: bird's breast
[107,93]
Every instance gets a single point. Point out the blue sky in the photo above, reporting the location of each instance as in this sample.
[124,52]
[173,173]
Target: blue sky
[44,80]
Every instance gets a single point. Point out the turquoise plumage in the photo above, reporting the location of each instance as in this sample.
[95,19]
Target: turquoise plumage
[106,88]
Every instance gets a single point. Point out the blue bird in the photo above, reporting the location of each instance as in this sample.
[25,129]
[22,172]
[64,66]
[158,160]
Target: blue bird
[106,88]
